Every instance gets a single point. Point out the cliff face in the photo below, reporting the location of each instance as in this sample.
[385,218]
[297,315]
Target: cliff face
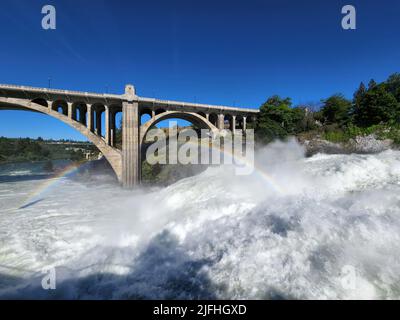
[360,144]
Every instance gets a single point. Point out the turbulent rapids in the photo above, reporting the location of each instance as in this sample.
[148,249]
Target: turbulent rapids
[288,231]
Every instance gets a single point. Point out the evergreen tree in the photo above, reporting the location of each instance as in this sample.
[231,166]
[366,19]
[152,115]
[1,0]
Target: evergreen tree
[377,106]
[357,97]
[393,85]
[371,84]
[359,94]
[278,119]
[336,109]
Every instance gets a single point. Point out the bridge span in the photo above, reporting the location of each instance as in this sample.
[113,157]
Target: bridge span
[83,111]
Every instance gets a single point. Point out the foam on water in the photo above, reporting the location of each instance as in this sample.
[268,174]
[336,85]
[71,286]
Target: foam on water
[215,235]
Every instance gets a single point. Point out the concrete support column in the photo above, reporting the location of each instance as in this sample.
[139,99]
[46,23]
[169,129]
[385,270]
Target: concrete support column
[153,113]
[70,110]
[221,122]
[89,118]
[107,123]
[130,144]
[233,129]
[208,116]
[244,124]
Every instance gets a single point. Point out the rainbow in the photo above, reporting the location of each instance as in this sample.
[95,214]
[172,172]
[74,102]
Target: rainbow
[36,195]
[260,171]
[245,161]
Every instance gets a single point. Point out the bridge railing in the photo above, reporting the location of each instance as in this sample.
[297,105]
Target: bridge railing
[58,91]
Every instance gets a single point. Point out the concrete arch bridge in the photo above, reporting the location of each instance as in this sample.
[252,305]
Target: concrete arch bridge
[84,112]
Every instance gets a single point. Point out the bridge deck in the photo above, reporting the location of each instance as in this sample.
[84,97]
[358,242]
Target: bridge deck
[54,94]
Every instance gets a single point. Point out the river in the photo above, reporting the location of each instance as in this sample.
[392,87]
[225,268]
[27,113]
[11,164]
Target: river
[325,227]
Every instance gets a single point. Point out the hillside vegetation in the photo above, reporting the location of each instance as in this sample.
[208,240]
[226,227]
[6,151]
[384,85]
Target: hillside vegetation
[19,150]
[374,109]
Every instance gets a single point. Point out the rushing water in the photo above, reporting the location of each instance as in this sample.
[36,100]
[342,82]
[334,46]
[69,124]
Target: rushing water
[293,229]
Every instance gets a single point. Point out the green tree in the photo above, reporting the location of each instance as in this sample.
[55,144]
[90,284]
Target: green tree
[270,122]
[392,85]
[277,119]
[76,155]
[359,94]
[150,173]
[372,84]
[377,106]
[118,136]
[336,110]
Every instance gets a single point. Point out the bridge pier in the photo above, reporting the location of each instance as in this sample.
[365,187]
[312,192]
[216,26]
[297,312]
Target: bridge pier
[130,140]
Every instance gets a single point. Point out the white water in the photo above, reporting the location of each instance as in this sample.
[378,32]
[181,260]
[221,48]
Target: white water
[215,235]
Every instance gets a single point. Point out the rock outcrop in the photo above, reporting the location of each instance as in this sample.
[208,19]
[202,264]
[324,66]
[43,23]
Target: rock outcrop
[360,144]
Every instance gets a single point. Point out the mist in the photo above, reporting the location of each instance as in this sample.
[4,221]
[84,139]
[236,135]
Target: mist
[290,230]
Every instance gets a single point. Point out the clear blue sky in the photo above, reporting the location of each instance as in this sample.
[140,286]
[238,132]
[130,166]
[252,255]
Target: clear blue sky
[221,51]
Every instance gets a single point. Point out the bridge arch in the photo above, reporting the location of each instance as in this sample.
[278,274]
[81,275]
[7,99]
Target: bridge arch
[159,111]
[145,115]
[79,112]
[112,155]
[41,101]
[239,123]
[60,106]
[213,118]
[194,118]
[202,114]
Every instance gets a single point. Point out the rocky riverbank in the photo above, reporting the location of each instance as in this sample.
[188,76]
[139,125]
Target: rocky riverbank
[361,144]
